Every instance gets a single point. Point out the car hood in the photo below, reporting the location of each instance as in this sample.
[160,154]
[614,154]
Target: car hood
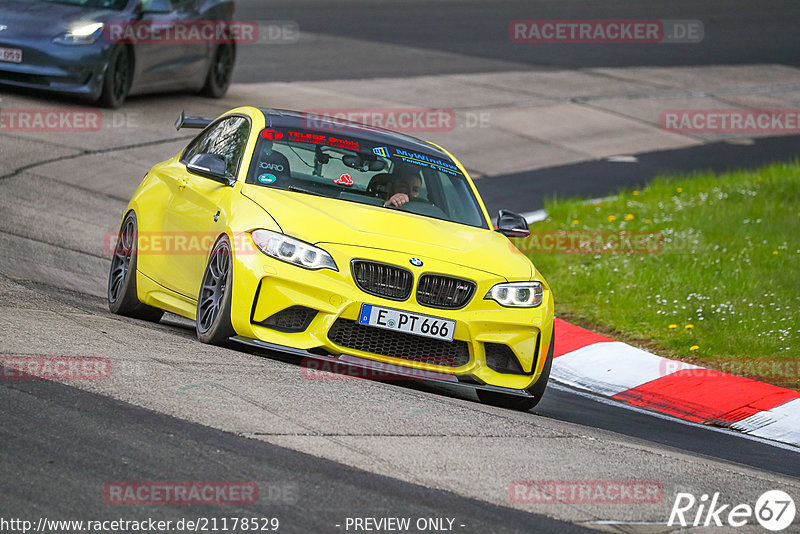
[324,220]
[47,19]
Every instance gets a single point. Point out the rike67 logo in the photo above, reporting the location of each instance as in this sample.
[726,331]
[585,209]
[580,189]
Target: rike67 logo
[774,510]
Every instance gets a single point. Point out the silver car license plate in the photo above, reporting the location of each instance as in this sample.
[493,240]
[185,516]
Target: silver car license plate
[11,55]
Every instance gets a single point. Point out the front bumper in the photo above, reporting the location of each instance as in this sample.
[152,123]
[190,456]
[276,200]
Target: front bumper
[264,287]
[47,66]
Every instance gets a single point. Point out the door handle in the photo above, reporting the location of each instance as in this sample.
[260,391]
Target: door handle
[182,183]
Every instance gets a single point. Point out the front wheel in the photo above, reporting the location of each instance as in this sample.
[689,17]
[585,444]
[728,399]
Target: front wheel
[214,302]
[220,72]
[122,296]
[117,81]
[513,402]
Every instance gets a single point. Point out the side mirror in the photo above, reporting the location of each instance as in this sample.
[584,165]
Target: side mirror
[209,165]
[155,7]
[512,224]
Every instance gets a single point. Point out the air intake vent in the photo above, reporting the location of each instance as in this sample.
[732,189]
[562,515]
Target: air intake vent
[501,358]
[292,319]
[352,335]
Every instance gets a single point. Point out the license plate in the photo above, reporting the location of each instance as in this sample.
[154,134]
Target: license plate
[403,321]
[12,55]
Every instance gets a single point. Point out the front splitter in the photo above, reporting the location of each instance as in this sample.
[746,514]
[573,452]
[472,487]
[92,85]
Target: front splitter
[373,370]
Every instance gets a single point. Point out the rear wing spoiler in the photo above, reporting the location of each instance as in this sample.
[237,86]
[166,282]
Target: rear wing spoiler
[187,121]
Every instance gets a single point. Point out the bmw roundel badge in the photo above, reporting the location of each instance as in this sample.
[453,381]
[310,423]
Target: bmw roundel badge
[416,262]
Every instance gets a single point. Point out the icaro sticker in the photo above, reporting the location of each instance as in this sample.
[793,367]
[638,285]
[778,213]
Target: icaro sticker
[271,166]
[267,178]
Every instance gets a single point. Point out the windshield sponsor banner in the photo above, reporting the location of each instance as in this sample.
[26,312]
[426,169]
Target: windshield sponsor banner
[605,31]
[764,121]
[54,368]
[585,492]
[423,160]
[322,139]
[591,242]
[180,493]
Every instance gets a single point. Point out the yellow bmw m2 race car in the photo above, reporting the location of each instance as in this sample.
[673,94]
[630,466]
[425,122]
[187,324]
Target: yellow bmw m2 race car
[337,242]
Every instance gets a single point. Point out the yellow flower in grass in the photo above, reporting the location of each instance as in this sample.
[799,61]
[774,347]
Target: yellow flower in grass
[673,326]
[694,347]
[636,193]
[680,190]
[775,252]
[647,221]
[629,217]
[689,326]
[574,222]
[612,218]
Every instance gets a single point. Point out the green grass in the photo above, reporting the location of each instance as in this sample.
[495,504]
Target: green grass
[729,266]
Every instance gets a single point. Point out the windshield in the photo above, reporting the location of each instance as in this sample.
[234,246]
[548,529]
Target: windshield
[354,170]
[94,4]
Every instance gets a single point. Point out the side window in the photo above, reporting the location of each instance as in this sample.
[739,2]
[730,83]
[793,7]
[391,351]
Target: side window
[228,139]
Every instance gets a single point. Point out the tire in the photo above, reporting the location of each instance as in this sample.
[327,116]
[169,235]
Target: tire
[220,72]
[117,80]
[513,402]
[213,322]
[121,294]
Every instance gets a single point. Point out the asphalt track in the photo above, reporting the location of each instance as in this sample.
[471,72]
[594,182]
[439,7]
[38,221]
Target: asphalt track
[59,444]
[599,178]
[736,32]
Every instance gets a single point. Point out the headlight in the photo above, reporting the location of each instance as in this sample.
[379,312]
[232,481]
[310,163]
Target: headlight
[517,294]
[82,34]
[291,250]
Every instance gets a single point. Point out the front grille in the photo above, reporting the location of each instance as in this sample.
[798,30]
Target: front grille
[501,358]
[439,291]
[352,335]
[382,280]
[292,319]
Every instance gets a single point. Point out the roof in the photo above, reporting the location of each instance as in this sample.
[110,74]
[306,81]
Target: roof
[281,118]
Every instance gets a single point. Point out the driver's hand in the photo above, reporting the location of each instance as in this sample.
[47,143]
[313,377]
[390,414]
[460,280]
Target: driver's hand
[397,200]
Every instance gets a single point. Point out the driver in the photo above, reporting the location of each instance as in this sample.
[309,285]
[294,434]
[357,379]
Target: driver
[402,188]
